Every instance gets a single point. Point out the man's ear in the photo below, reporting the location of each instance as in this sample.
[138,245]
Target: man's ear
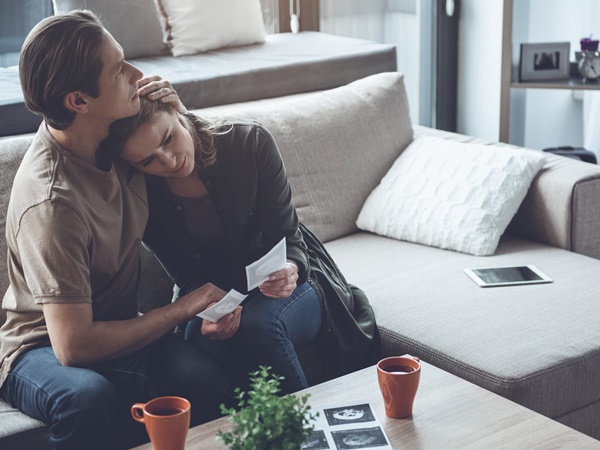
[76,102]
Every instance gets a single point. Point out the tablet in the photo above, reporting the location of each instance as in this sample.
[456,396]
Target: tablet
[507,276]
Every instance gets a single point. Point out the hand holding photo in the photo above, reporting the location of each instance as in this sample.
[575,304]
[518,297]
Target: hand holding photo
[225,306]
[258,272]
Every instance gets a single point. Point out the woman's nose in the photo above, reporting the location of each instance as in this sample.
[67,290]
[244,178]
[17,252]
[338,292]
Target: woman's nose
[170,160]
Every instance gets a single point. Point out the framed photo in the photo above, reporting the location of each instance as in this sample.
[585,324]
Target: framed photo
[544,61]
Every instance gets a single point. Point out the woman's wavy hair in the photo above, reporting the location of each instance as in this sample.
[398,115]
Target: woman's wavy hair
[203,131]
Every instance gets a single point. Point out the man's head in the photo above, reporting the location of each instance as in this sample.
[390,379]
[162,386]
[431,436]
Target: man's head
[70,64]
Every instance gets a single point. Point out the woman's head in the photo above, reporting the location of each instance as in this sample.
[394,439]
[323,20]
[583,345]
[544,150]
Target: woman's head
[160,141]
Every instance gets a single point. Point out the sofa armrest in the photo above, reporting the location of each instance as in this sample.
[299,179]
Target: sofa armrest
[562,206]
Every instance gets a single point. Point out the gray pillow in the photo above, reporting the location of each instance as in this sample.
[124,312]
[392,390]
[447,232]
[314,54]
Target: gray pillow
[133,23]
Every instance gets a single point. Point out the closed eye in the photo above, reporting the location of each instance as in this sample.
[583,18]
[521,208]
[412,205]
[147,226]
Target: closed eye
[168,139]
[146,162]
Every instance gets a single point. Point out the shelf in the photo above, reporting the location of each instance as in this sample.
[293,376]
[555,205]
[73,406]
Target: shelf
[509,71]
[572,84]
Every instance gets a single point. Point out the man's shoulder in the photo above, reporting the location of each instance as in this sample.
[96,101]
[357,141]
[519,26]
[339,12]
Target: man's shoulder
[33,180]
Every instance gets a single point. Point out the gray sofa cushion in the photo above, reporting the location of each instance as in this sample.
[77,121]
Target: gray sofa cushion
[20,432]
[133,23]
[329,190]
[285,64]
[536,345]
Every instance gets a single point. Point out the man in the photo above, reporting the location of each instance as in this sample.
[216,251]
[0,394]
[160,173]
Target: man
[74,351]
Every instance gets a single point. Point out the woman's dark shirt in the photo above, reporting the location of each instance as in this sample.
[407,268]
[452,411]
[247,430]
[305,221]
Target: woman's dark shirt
[249,190]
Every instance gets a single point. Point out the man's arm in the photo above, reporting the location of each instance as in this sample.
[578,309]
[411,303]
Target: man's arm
[80,341]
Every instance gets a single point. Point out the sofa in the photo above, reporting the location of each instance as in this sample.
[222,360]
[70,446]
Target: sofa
[535,345]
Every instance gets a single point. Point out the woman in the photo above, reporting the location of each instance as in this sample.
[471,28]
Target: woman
[219,200]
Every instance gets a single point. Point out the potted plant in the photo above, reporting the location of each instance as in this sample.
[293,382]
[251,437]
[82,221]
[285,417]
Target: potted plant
[266,420]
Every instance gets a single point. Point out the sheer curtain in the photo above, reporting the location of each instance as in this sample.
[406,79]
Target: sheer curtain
[270,10]
[363,19]
[393,22]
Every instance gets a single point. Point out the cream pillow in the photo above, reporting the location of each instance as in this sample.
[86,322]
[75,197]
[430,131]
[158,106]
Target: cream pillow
[194,26]
[451,195]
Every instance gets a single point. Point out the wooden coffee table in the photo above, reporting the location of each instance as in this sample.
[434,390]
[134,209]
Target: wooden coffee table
[448,413]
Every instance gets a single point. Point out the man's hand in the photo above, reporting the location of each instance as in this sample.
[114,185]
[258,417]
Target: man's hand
[201,298]
[155,88]
[282,283]
[224,328]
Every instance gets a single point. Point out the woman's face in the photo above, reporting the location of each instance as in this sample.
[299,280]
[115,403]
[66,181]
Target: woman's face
[163,147]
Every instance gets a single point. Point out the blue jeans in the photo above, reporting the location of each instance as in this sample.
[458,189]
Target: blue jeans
[270,330]
[89,408]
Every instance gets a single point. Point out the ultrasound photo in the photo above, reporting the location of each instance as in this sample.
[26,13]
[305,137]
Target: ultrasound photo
[359,438]
[316,441]
[349,414]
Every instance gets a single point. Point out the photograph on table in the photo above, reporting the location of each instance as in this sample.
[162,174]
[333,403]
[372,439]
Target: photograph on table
[544,61]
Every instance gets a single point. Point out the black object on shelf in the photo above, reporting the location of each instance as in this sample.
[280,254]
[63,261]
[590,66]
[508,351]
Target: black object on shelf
[573,152]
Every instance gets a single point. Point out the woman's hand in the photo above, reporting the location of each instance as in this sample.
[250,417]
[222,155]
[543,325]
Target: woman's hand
[224,328]
[155,88]
[282,283]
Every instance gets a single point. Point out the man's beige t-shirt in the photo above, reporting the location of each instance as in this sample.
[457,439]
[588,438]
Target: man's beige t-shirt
[73,234]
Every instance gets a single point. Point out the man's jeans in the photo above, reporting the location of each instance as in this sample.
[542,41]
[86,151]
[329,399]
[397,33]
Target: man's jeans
[88,408]
[269,331]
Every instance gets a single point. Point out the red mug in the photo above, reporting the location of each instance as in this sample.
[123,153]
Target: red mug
[398,378]
[167,421]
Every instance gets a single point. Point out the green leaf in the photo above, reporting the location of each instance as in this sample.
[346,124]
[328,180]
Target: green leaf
[266,420]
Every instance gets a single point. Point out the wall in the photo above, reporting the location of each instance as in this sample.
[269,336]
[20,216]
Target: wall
[387,22]
[480,56]
[539,117]
[556,117]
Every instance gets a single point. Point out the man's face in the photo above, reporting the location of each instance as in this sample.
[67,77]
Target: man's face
[118,96]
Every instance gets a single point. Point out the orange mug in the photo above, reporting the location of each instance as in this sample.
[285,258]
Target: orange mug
[398,380]
[167,421]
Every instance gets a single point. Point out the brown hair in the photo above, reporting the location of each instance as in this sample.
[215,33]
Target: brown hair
[60,55]
[201,130]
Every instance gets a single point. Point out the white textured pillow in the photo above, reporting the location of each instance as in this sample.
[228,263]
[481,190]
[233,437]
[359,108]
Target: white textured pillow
[451,195]
[193,26]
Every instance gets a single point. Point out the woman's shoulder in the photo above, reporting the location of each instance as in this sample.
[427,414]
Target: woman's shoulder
[240,124]
[235,130]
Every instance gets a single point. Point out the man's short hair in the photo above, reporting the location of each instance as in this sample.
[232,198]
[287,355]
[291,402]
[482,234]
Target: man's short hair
[60,55]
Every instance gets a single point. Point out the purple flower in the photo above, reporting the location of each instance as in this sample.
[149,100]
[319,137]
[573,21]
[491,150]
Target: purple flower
[589,44]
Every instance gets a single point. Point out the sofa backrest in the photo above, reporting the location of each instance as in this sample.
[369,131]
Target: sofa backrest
[11,154]
[336,145]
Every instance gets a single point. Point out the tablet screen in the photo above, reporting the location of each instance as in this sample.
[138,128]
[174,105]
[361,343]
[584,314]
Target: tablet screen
[505,276]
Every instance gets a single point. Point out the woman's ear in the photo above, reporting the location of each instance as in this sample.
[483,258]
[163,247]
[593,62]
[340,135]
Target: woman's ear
[76,102]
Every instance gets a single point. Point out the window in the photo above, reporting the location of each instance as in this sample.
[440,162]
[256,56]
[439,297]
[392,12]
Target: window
[16,20]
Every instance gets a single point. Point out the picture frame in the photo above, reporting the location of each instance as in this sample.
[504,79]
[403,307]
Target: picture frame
[544,61]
